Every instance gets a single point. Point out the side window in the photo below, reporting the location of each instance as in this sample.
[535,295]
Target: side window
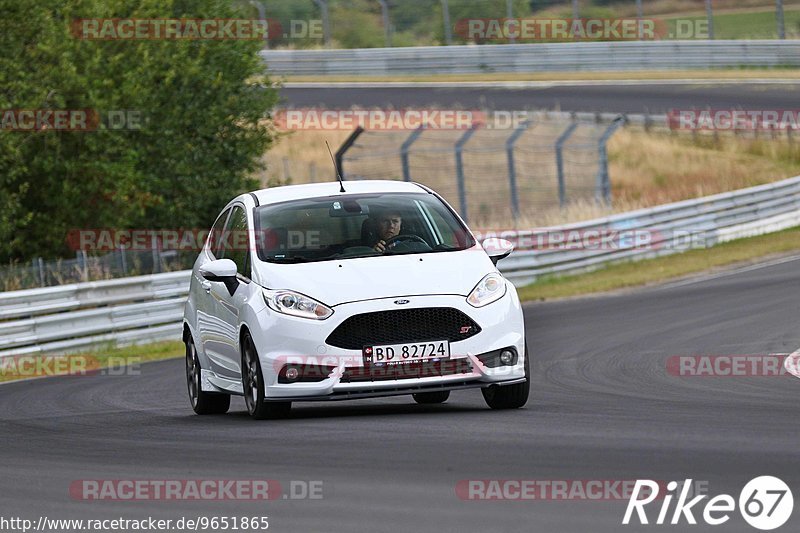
[215,236]
[238,241]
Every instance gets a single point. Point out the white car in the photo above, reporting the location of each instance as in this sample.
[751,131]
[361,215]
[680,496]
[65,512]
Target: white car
[308,293]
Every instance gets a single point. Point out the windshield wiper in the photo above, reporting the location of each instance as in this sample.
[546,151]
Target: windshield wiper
[287,259]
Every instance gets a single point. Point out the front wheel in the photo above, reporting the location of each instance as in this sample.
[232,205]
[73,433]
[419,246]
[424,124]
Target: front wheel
[253,386]
[203,402]
[510,396]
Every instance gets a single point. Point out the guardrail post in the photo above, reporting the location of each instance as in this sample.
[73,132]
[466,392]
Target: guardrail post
[405,147]
[462,188]
[344,148]
[562,189]
[779,18]
[603,188]
[512,171]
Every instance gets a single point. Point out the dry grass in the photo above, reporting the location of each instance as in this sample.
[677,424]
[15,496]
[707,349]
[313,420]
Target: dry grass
[646,169]
[657,168]
[306,155]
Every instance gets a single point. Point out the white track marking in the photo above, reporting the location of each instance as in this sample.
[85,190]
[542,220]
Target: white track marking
[792,364]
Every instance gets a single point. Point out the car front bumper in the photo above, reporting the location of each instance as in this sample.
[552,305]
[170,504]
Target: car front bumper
[281,339]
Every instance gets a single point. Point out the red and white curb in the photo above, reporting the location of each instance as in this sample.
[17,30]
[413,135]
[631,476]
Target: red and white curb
[792,364]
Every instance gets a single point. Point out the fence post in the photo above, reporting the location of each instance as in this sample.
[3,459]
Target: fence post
[512,171]
[38,263]
[312,172]
[84,259]
[344,148]
[603,188]
[387,29]
[562,189]
[326,23]
[287,173]
[156,256]
[710,19]
[462,188]
[779,19]
[123,260]
[405,147]
[448,31]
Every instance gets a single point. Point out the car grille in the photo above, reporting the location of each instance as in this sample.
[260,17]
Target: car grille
[401,326]
[423,369]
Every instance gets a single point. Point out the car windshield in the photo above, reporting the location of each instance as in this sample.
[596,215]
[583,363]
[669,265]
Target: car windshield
[357,225]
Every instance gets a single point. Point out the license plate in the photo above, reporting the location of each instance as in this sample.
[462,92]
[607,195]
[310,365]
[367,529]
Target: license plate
[393,354]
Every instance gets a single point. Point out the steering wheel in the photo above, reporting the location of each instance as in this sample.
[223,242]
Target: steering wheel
[405,238]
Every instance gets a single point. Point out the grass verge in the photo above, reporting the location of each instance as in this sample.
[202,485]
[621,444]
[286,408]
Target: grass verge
[113,360]
[661,269]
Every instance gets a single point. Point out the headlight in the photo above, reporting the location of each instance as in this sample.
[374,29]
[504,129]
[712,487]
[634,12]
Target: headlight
[490,289]
[296,304]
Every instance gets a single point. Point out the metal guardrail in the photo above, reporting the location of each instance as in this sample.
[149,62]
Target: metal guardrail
[539,57]
[70,317]
[667,229]
[150,308]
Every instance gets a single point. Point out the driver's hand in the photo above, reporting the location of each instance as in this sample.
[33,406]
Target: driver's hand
[380,246]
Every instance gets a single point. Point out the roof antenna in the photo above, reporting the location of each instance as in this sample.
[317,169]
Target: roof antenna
[336,168]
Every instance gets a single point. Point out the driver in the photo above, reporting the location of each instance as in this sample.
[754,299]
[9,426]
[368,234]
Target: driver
[388,224]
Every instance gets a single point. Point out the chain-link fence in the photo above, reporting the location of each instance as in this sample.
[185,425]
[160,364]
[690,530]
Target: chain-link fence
[493,176]
[85,267]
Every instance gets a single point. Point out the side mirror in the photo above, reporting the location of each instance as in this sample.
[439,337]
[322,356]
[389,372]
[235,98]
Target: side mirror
[223,271]
[497,249]
[218,270]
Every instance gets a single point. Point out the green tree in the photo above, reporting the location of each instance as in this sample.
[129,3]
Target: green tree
[204,106]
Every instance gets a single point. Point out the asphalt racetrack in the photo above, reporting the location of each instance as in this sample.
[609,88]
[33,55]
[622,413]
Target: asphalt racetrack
[603,407]
[642,97]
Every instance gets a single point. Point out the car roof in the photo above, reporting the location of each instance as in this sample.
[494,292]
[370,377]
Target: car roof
[331,188]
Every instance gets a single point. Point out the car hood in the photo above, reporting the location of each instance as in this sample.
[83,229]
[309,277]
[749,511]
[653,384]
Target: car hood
[350,280]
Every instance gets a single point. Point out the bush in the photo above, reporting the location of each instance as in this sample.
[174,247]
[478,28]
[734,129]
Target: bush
[204,107]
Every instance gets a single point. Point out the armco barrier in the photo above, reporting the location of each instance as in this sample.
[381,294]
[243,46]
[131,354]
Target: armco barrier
[149,308]
[538,57]
[70,317]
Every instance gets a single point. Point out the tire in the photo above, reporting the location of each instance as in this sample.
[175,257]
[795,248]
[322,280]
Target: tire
[203,402]
[510,396]
[431,397]
[253,386]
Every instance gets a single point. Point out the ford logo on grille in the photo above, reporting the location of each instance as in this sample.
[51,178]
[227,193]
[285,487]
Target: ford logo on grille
[401,302]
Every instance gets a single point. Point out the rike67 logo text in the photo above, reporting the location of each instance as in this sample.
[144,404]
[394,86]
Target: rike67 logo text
[765,503]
